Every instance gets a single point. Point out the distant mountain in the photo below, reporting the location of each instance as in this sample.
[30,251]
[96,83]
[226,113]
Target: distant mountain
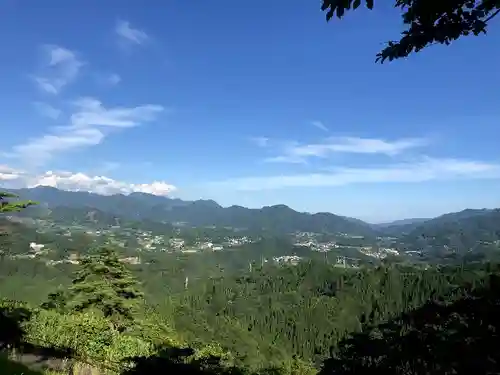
[467,230]
[401,222]
[399,227]
[141,206]
[464,214]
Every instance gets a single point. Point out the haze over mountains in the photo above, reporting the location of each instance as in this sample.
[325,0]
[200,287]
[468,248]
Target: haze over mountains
[401,222]
[277,218]
[141,206]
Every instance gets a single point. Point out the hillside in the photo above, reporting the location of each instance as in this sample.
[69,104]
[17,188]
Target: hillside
[399,227]
[402,222]
[224,311]
[471,231]
[467,230]
[140,206]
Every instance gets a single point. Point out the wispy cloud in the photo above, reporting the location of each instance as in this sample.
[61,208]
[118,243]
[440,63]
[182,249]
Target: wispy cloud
[260,141]
[9,174]
[107,79]
[81,182]
[295,152]
[47,110]
[38,151]
[129,34]
[59,68]
[89,125]
[92,113]
[320,125]
[114,79]
[426,169]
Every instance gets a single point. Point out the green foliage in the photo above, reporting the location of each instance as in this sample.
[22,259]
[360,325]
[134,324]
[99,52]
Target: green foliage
[88,334]
[460,232]
[103,283]
[256,320]
[427,22]
[9,205]
[441,337]
[56,300]
[87,337]
[305,309]
[270,319]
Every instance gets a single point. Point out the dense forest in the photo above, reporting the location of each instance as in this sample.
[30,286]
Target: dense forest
[269,318]
[222,312]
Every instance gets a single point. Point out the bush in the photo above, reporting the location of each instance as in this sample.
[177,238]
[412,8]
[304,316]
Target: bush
[88,335]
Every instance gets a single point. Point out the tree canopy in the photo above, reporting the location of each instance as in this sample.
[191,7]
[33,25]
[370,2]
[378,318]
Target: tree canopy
[8,205]
[105,284]
[427,22]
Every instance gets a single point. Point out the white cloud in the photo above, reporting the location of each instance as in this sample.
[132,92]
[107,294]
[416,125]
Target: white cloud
[37,151]
[427,169]
[260,141]
[92,113]
[82,182]
[9,174]
[88,127]
[299,153]
[319,125]
[60,67]
[47,110]
[129,34]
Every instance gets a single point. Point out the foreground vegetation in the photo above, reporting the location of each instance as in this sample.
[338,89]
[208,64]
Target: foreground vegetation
[183,314]
[290,319]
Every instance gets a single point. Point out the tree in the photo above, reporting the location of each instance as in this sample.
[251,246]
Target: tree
[56,300]
[103,283]
[428,22]
[7,205]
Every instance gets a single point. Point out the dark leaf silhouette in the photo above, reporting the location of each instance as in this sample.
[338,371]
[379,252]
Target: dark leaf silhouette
[427,22]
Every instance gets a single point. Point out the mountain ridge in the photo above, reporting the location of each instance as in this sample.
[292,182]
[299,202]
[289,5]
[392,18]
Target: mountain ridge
[409,221]
[276,218]
[143,206]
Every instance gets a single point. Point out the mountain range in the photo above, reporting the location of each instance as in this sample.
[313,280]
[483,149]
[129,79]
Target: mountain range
[142,206]
[481,223]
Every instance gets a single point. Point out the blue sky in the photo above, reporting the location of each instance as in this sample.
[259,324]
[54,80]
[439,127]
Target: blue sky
[254,105]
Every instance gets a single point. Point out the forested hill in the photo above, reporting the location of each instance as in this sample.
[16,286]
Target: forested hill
[398,227]
[140,206]
[271,320]
[267,318]
[462,231]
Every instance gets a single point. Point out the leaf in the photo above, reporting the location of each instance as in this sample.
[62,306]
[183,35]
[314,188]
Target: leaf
[340,12]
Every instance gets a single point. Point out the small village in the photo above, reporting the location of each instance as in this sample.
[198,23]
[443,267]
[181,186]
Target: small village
[137,241]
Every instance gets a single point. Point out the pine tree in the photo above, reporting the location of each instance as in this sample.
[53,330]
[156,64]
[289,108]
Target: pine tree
[104,284]
[12,206]
[56,300]
[7,205]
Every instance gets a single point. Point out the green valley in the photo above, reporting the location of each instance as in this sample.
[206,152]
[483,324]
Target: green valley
[110,293]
